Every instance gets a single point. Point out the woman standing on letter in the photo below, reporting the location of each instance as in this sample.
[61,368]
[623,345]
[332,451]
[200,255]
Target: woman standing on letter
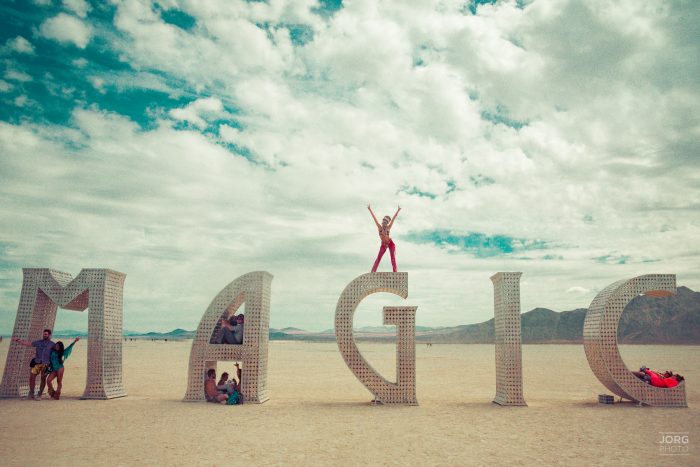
[385,237]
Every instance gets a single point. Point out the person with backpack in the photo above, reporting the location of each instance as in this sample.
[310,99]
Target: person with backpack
[39,363]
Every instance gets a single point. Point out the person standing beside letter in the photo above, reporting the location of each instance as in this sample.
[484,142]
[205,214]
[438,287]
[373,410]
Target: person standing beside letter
[40,362]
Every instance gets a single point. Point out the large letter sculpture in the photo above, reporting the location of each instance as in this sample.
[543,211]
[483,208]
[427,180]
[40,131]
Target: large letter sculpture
[403,317]
[600,341]
[253,289]
[509,369]
[43,290]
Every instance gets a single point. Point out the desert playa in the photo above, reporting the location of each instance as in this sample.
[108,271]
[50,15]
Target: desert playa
[319,414]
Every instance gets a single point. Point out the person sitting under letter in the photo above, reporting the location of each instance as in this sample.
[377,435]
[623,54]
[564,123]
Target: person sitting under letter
[227,386]
[210,392]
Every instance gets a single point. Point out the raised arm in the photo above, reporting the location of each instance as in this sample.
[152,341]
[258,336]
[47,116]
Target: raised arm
[373,216]
[69,349]
[394,218]
[225,324]
[21,342]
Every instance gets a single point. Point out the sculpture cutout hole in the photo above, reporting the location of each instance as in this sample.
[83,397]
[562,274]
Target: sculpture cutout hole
[646,320]
[376,341]
[232,375]
[645,329]
[229,327]
[70,324]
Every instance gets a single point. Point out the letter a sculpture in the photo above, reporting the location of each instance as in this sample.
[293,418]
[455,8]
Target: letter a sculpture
[403,317]
[509,361]
[600,341]
[253,289]
[98,290]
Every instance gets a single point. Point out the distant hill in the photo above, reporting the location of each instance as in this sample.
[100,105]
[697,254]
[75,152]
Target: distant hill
[669,320]
[646,320]
[68,333]
[175,334]
[384,329]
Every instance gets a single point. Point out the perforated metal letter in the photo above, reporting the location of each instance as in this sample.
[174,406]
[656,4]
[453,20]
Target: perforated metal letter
[253,289]
[98,290]
[509,361]
[404,390]
[600,341]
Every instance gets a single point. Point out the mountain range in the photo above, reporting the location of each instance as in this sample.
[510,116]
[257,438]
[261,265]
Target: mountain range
[646,320]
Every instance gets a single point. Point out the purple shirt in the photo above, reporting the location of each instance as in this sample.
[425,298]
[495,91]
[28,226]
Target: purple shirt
[43,351]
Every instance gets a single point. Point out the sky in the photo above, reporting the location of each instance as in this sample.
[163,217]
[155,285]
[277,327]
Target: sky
[186,143]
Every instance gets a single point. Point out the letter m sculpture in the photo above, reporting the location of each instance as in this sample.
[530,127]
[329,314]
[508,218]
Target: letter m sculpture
[43,291]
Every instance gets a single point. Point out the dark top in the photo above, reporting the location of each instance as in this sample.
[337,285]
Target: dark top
[43,351]
[56,363]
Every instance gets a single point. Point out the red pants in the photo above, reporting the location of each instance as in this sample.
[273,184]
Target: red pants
[382,249]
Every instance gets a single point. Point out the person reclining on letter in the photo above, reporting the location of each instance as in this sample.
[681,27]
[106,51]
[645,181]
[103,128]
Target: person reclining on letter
[660,380]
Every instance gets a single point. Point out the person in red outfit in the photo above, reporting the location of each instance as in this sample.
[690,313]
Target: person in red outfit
[660,380]
[385,237]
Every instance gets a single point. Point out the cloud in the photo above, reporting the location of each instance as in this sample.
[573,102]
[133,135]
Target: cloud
[199,112]
[67,29]
[21,101]
[201,141]
[19,76]
[478,244]
[20,45]
[79,7]
[98,83]
[577,290]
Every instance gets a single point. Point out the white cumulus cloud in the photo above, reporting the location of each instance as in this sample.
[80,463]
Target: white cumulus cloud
[15,75]
[20,45]
[65,28]
[564,133]
[79,7]
[200,111]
